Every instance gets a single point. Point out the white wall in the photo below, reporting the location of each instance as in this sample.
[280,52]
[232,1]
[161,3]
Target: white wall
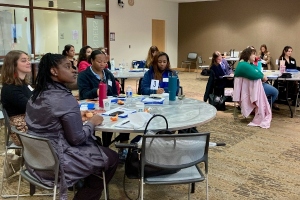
[132,25]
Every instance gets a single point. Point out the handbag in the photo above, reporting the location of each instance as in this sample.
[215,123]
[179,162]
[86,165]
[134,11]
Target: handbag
[12,164]
[133,162]
[18,121]
[218,101]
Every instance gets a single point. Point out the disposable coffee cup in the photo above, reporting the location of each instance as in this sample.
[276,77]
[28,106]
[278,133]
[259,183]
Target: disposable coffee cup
[106,104]
[140,106]
[32,56]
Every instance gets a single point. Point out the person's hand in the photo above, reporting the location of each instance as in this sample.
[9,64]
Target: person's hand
[160,91]
[264,79]
[96,120]
[75,62]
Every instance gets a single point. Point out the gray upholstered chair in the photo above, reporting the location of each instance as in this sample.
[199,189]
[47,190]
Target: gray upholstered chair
[191,59]
[175,152]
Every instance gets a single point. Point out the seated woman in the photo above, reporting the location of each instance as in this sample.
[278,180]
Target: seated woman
[83,56]
[88,84]
[151,53]
[80,156]
[16,90]
[220,67]
[69,51]
[159,71]
[286,55]
[265,55]
[246,69]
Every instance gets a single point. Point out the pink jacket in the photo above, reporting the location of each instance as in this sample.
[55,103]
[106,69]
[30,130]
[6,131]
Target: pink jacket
[83,65]
[251,95]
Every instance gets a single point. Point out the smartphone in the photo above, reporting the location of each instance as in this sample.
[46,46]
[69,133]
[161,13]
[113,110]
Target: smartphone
[116,113]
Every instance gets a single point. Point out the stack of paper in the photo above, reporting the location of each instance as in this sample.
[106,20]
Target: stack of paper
[150,100]
[135,120]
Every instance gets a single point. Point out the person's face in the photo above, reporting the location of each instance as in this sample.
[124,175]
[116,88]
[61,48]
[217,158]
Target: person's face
[64,73]
[100,62]
[23,64]
[263,49]
[88,52]
[162,62]
[71,52]
[252,57]
[289,52]
[219,59]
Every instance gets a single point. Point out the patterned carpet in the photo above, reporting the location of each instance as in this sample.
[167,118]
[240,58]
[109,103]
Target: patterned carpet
[256,163]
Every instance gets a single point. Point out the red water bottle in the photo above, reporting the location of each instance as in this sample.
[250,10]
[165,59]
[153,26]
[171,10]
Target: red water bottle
[102,94]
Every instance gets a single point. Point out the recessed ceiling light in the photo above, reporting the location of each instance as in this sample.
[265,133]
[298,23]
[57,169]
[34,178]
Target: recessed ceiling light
[98,4]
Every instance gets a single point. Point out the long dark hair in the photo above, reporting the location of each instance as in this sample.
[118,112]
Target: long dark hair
[43,77]
[157,72]
[82,54]
[285,49]
[66,49]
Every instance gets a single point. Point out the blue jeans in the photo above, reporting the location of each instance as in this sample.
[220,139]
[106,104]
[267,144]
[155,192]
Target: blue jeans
[270,92]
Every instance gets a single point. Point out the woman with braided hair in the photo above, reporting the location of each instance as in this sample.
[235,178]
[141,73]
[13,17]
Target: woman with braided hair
[80,156]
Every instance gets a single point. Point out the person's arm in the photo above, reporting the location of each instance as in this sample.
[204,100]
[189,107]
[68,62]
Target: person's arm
[87,88]
[268,60]
[146,82]
[74,131]
[249,71]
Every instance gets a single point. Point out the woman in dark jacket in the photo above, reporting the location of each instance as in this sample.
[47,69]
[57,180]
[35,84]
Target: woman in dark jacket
[74,143]
[88,84]
[159,71]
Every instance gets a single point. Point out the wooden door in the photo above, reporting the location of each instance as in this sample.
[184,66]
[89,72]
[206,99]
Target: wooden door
[158,34]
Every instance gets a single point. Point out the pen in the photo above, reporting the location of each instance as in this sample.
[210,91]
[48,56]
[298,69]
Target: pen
[124,123]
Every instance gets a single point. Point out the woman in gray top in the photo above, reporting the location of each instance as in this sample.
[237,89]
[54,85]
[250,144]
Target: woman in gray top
[80,156]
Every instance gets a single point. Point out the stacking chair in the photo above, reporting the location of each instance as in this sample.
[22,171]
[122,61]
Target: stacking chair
[191,59]
[9,145]
[39,154]
[181,152]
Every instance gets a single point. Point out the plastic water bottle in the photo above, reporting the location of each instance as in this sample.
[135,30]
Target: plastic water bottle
[112,64]
[128,94]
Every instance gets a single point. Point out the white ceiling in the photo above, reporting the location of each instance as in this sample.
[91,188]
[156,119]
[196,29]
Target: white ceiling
[187,1]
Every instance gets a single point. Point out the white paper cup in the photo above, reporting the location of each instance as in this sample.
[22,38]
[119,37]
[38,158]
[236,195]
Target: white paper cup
[32,56]
[140,107]
[106,104]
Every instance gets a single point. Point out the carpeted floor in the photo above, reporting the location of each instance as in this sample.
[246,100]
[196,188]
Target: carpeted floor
[256,163]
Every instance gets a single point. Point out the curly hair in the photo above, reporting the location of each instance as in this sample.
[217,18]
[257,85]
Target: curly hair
[150,57]
[246,53]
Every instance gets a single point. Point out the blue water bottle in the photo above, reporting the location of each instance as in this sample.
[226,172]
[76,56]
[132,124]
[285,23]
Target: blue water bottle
[172,86]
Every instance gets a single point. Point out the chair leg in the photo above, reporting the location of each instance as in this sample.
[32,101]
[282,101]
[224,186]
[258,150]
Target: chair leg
[104,185]
[189,191]
[19,184]
[206,186]
[4,161]
[142,188]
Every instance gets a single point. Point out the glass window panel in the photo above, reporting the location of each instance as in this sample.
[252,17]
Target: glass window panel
[95,32]
[61,4]
[95,5]
[16,2]
[55,29]
[14,30]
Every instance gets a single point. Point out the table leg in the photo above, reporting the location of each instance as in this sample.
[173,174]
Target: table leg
[287,99]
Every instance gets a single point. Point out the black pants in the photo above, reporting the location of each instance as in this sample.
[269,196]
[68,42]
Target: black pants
[93,185]
[106,138]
